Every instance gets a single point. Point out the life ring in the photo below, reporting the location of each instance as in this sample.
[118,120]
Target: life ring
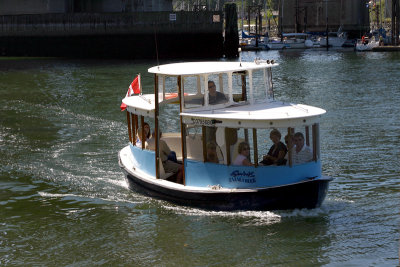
[172,95]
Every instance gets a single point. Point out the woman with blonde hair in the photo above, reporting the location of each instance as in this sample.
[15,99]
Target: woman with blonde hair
[244,153]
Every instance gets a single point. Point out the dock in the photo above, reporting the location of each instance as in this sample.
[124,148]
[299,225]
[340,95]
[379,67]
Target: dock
[387,48]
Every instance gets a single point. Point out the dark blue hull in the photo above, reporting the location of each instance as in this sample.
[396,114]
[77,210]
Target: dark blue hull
[306,194]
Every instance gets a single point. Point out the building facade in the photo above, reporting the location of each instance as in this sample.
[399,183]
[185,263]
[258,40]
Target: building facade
[108,28]
[316,15]
[19,7]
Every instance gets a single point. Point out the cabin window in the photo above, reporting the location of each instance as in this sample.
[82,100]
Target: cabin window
[167,87]
[307,135]
[272,145]
[218,89]
[275,146]
[221,145]
[239,86]
[253,85]
[193,88]
[211,89]
[260,85]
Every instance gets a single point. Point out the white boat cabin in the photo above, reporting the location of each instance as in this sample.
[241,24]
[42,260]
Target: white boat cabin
[221,105]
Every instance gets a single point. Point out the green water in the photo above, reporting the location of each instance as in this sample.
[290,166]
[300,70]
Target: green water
[64,201]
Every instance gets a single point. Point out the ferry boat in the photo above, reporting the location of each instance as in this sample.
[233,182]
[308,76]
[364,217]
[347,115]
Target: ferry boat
[212,130]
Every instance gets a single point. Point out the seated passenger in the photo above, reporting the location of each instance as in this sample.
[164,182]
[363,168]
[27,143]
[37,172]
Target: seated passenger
[147,132]
[146,127]
[232,141]
[152,146]
[139,138]
[165,155]
[289,146]
[212,152]
[287,138]
[277,152]
[301,153]
[242,157]
[215,97]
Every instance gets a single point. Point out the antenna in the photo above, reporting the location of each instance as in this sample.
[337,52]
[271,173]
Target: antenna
[155,39]
[240,55]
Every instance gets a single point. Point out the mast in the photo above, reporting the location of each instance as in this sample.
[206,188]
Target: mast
[157,140]
[242,14]
[281,15]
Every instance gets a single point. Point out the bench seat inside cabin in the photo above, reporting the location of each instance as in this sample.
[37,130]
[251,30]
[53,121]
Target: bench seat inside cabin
[194,145]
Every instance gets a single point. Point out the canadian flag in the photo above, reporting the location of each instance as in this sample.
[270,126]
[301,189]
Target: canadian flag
[134,88]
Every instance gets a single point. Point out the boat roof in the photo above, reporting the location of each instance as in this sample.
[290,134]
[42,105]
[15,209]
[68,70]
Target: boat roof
[259,115]
[209,67]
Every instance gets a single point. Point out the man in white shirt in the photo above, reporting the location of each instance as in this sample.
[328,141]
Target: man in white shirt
[301,153]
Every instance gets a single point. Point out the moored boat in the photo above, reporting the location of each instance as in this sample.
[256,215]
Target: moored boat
[335,39]
[225,109]
[295,40]
[275,44]
[366,44]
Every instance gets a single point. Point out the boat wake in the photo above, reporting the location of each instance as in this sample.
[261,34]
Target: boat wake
[110,200]
[258,217]
[262,217]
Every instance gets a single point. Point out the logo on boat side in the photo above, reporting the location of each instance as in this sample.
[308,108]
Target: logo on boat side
[243,177]
[201,121]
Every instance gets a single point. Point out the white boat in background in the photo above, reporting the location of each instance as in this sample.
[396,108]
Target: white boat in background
[295,40]
[290,41]
[312,42]
[275,44]
[335,39]
[367,44]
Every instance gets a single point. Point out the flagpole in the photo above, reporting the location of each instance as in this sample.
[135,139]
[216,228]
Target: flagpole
[140,84]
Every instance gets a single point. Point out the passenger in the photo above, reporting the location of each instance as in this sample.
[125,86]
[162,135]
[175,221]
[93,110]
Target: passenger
[232,142]
[242,157]
[301,153]
[146,127]
[212,152]
[291,144]
[277,152]
[147,132]
[215,97]
[151,145]
[139,138]
[166,156]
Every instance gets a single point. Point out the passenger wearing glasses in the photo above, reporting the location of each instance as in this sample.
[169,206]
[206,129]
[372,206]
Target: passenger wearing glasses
[215,97]
[242,157]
